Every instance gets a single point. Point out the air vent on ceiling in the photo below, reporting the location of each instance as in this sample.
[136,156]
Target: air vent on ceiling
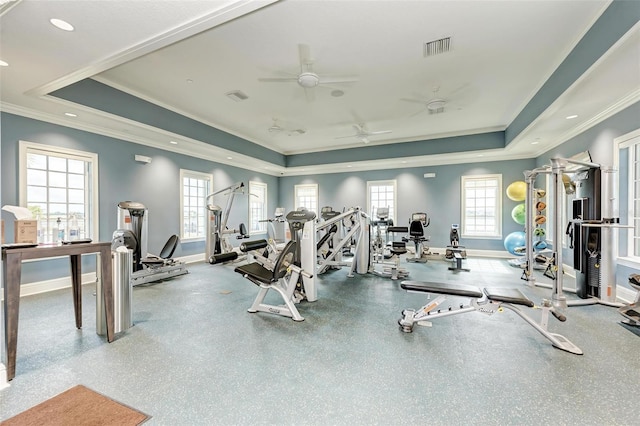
[237,95]
[437,47]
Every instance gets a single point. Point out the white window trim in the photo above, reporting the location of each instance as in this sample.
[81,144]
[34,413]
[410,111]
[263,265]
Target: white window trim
[262,225]
[623,142]
[392,182]
[313,186]
[463,179]
[197,175]
[24,146]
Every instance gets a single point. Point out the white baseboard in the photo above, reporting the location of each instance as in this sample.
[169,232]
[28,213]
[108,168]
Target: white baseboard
[3,377]
[38,287]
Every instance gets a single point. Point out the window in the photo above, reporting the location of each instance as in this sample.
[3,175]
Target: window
[257,207]
[306,196]
[630,175]
[193,212]
[481,206]
[381,193]
[59,186]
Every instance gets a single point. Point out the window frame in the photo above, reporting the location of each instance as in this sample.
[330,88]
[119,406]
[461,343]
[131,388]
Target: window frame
[498,207]
[92,229]
[192,174]
[262,226]
[629,141]
[303,186]
[393,209]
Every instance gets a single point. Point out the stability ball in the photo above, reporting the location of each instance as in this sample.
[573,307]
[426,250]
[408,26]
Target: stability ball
[514,242]
[517,214]
[517,191]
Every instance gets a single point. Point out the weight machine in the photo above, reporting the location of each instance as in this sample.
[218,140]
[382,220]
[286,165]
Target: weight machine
[218,249]
[454,250]
[358,223]
[595,217]
[418,222]
[132,233]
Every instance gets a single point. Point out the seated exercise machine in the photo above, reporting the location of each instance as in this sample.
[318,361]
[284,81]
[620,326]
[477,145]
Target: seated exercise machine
[632,311]
[285,275]
[132,234]
[455,250]
[218,248]
[488,302]
[418,222]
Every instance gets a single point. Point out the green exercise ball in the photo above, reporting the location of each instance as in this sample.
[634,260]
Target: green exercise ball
[517,191]
[518,214]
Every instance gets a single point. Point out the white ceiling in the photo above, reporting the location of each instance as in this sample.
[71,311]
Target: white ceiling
[186,55]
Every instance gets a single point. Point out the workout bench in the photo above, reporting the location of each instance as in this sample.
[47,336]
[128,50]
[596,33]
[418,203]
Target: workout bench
[487,302]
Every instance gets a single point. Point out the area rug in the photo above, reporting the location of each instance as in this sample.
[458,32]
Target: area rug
[78,406]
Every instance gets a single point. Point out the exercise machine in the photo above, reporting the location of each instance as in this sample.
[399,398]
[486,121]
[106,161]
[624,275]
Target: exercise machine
[631,312]
[301,223]
[281,276]
[357,222]
[487,301]
[386,255]
[595,217]
[218,248]
[454,250]
[417,224]
[276,227]
[132,234]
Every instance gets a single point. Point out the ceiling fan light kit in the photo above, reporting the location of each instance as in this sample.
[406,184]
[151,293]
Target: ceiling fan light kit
[308,80]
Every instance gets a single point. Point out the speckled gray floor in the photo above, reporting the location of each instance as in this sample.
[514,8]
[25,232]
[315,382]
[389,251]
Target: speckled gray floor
[196,357]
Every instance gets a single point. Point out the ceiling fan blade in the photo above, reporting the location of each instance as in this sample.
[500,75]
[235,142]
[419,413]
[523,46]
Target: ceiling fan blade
[379,132]
[278,79]
[334,80]
[304,53]
[364,139]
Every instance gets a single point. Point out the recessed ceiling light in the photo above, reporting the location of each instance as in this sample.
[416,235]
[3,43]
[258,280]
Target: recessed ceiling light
[63,25]
[349,166]
[189,81]
[404,161]
[570,117]
[3,63]
[229,158]
[173,142]
[480,155]
[535,142]
[70,114]
[237,95]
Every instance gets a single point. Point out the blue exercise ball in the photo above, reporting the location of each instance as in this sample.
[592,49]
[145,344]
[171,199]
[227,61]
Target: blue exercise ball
[515,243]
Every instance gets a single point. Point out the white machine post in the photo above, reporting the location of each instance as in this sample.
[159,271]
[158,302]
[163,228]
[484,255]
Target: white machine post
[558,298]
[308,255]
[610,216]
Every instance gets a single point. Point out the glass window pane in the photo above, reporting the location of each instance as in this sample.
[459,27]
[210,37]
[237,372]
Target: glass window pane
[76,181]
[58,164]
[57,179]
[36,161]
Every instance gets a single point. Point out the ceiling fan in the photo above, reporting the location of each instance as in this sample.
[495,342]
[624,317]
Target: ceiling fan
[277,128]
[308,79]
[436,104]
[363,134]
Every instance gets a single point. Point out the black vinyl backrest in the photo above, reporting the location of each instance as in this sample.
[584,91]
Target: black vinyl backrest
[415,229]
[169,247]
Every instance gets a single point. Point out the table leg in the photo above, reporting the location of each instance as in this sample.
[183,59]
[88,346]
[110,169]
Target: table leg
[107,289]
[76,284]
[12,270]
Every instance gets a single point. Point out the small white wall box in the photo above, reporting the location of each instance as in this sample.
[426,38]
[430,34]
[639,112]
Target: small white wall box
[143,159]
[429,175]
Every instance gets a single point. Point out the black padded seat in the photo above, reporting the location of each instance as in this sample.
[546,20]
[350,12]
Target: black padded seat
[508,295]
[416,229]
[441,288]
[258,274]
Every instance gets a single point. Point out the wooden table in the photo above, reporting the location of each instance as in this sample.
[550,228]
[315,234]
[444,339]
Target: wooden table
[12,268]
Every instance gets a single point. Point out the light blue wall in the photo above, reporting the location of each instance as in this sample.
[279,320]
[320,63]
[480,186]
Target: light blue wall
[121,178]
[439,197]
